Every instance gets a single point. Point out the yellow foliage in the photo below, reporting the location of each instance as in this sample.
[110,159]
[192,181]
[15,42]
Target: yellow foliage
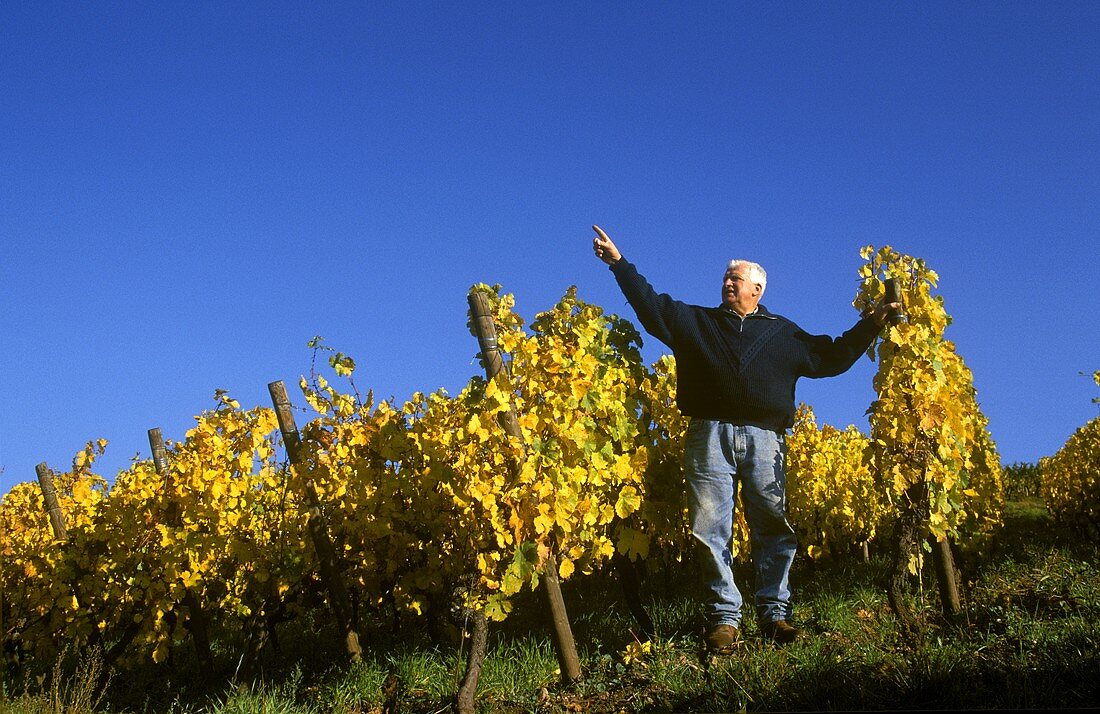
[833,497]
[1070,480]
[926,425]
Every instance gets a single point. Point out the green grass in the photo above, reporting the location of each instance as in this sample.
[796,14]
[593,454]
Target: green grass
[1026,639]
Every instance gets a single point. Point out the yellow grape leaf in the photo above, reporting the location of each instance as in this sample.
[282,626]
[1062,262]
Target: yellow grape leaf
[476,430]
[543,522]
[622,468]
[494,395]
[497,607]
[565,568]
[629,501]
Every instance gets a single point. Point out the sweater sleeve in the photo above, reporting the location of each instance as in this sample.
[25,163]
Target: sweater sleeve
[657,311]
[828,357]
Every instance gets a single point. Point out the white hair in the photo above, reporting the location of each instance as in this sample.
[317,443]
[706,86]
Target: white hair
[755,273]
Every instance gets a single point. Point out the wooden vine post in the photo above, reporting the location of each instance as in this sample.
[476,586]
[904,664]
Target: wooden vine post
[57,523]
[331,576]
[53,507]
[944,563]
[196,618]
[914,512]
[60,532]
[564,644]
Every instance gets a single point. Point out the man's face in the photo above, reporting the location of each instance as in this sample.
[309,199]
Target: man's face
[738,292]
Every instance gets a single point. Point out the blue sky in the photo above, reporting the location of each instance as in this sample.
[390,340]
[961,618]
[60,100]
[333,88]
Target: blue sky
[190,191]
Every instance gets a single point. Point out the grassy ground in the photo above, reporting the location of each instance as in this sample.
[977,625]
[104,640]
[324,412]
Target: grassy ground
[1025,640]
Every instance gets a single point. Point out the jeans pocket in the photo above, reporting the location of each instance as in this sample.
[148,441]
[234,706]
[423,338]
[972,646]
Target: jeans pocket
[698,443]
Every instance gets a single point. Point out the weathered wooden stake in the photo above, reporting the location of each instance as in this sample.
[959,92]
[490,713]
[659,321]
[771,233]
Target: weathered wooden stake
[564,643]
[196,620]
[160,455]
[49,495]
[945,575]
[61,533]
[331,576]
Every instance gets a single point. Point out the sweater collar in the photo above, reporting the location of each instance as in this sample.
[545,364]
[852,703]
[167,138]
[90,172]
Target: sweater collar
[760,311]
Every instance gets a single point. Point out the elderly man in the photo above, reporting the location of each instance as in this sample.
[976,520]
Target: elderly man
[736,367]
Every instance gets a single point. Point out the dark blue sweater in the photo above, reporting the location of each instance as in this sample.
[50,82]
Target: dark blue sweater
[734,369]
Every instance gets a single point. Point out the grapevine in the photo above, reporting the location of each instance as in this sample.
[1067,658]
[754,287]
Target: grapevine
[931,449]
[431,504]
[1070,479]
[833,498]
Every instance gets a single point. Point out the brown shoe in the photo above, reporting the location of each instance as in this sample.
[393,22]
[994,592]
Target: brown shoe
[780,632]
[722,639]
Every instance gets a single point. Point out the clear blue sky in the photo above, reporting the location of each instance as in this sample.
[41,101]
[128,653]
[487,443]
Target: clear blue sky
[190,191]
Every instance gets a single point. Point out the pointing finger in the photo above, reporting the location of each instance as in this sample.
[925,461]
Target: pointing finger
[599,231]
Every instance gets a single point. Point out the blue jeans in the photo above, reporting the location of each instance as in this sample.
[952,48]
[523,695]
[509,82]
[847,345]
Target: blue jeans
[718,456]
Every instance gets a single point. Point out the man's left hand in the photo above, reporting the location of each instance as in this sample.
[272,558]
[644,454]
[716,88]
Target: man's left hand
[882,312]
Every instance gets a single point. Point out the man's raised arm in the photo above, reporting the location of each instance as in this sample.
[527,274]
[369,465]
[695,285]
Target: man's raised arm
[658,313]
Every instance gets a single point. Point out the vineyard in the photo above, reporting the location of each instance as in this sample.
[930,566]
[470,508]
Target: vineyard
[454,514]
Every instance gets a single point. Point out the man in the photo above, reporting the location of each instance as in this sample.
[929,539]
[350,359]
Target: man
[736,366]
